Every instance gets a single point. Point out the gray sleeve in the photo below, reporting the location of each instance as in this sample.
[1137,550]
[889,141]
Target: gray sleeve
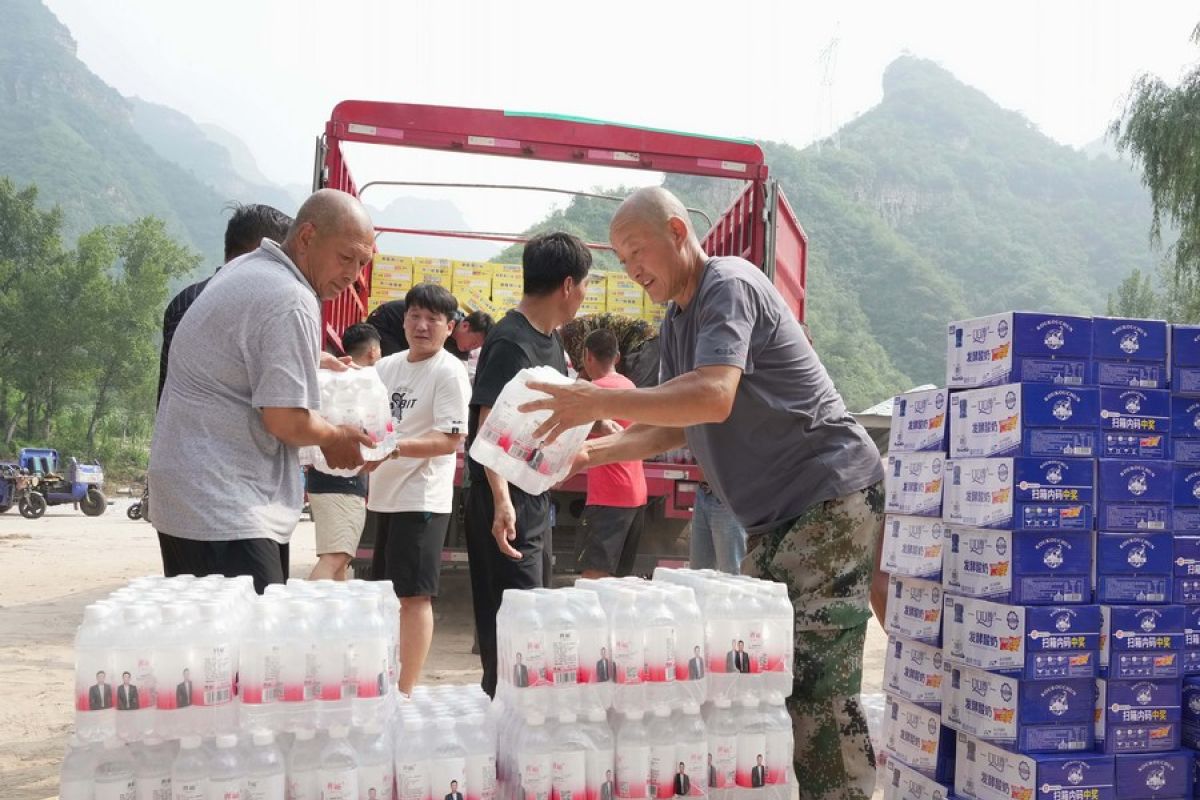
[724,324]
[282,362]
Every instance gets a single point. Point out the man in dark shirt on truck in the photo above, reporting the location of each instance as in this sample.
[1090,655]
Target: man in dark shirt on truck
[508,531]
[744,389]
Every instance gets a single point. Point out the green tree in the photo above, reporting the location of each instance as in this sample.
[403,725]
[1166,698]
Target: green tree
[1159,128]
[1135,297]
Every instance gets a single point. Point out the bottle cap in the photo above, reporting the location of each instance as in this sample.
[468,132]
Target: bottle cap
[338,732]
[305,734]
[226,741]
[263,738]
[634,714]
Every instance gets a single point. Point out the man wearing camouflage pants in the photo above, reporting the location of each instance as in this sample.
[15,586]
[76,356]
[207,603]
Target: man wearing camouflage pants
[742,386]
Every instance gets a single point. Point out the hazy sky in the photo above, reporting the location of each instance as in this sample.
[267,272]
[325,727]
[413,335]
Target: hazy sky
[270,71]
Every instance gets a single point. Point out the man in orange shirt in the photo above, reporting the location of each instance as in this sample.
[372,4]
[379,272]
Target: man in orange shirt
[616,498]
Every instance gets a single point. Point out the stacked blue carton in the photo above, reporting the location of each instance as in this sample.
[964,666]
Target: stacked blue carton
[920,750]
[1064,646]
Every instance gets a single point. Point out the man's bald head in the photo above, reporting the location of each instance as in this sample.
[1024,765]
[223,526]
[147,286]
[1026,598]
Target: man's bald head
[652,206]
[333,211]
[654,239]
[331,241]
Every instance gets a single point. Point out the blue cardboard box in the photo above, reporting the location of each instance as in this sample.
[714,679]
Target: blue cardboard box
[1134,445]
[1141,716]
[1186,590]
[1154,776]
[916,737]
[1185,345]
[1187,496]
[1191,640]
[1186,381]
[1021,567]
[919,422]
[1006,347]
[1190,702]
[1141,374]
[1121,339]
[985,771]
[1038,642]
[1030,419]
[1047,716]
[1134,567]
[1019,493]
[1135,410]
[1123,516]
[1185,417]
[1142,641]
[914,608]
[1135,480]
[1185,451]
[913,546]
[913,484]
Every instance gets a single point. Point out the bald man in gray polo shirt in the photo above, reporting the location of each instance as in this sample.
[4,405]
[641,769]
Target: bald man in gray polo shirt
[744,389]
[241,395]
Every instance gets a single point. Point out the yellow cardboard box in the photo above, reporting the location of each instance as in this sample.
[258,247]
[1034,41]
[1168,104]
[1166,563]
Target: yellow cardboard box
[393,267]
[433,270]
[653,312]
[471,276]
[504,300]
[510,271]
[595,299]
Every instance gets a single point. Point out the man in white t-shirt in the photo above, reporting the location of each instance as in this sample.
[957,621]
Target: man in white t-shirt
[412,492]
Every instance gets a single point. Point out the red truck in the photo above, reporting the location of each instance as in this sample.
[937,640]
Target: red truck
[758,226]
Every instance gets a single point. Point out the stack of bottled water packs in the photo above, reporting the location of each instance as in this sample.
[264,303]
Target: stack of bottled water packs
[624,688]
[358,398]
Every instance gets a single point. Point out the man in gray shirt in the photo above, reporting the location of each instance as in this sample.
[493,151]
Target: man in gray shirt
[240,397]
[744,389]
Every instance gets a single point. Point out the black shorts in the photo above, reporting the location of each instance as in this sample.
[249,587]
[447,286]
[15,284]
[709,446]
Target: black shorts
[411,545]
[610,538]
[265,560]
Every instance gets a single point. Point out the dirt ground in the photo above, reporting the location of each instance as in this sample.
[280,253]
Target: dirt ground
[51,568]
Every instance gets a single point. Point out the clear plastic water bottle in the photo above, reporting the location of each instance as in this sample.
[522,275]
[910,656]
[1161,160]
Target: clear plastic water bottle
[215,647]
[447,762]
[338,772]
[523,658]
[95,702]
[780,622]
[569,754]
[478,736]
[629,655]
[663,761]
[303,766]
[227,773]
[190,772]
[375,775]
[298,670]
[412,762]
[722,749]
[152,762]
[600,755]
[721,637]
[659,635]
[562,648]
[691,671]
[266,774]
[369,643]
[78,770]
[334,665]
[133,656]
[114,776]
[691,745]
[260,659]
[777,725]
[595,647]
[535,763]
[176,714]
[633,756]
[751,749]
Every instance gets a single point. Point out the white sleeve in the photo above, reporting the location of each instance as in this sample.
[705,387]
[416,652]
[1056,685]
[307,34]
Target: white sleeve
[451,397]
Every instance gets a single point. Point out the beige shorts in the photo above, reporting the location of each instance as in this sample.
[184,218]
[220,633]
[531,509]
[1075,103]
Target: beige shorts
[339,519]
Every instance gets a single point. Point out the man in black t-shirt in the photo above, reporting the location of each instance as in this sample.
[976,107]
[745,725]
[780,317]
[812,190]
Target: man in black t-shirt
[508,531]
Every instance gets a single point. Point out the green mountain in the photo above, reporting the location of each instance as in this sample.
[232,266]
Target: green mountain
[936,205]
[78,139]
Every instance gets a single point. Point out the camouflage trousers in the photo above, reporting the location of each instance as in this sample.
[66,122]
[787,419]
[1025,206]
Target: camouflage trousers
[826,558]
